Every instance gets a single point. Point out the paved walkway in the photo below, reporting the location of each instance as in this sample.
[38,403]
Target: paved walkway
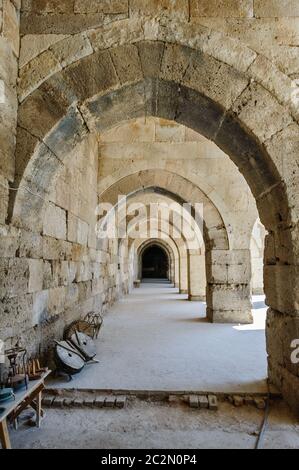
[154,339]
[144,425]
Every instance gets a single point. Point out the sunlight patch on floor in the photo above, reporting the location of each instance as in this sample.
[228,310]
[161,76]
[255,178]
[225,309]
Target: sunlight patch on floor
[259,313]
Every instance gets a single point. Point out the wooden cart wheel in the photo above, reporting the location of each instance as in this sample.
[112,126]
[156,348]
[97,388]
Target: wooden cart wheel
[85,345]
[68,359]
[80,326]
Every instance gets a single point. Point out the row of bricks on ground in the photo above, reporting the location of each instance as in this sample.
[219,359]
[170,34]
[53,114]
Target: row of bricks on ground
[210,401]
[202,401]
[238,401]
[99,402]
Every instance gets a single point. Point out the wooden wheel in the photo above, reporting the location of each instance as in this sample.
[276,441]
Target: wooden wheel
[81,326]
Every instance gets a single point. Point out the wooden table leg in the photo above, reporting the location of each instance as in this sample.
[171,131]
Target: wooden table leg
[4,436]
[27,402]
[38,409]
[33,405]
[16,424]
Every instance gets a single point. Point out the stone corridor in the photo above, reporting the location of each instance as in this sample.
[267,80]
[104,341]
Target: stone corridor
[146,139]
[155,339]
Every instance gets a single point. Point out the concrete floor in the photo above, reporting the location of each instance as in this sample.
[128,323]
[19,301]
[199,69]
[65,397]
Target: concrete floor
[154,339]
[145,425]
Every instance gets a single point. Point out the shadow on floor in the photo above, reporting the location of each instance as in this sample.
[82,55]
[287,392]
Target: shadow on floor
[192,320]
[259,305]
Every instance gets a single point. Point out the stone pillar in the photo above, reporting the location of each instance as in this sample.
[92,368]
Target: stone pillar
[257,247]
[196,276]
[172,271]
[176,272]
[283,355]
[229,286]
[282,328]
[184,273]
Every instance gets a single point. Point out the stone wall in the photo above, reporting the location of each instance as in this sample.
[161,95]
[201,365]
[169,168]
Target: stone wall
[9,54]
[268,26]
[51,278]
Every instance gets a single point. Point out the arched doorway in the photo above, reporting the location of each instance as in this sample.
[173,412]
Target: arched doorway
[183,88]
[155,264]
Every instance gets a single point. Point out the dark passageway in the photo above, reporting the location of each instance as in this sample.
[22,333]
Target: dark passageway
[155,263]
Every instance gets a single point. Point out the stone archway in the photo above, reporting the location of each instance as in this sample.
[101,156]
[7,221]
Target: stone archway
[172,252]
[179,189]
[160,261]
[217,99]
[185,231]
[233,287]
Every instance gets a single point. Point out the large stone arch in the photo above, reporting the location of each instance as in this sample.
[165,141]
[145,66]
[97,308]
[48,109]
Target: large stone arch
[55,113]
[198,180]
[179,189]
[232,52]
[230,100]
[166,248]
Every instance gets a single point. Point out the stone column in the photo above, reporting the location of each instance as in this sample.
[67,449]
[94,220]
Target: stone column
[176,274]
[229,286]
[196,276]
[172,270]
[257,248]
[184,273]
[282,328]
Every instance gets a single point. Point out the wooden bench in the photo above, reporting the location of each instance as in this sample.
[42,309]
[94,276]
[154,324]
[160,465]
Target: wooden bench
[12,409]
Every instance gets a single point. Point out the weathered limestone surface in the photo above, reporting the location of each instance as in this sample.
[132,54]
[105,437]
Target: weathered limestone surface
[69,16]
[228,289]
[281,332]
[173,8]
[196,277]
[9,52]
[223,8]
[230,304]
[10,28]
[4,196]
[55,222]
[276,8]
[256,108]
[33,45]
[257,248]
[274,37]
[59,275]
